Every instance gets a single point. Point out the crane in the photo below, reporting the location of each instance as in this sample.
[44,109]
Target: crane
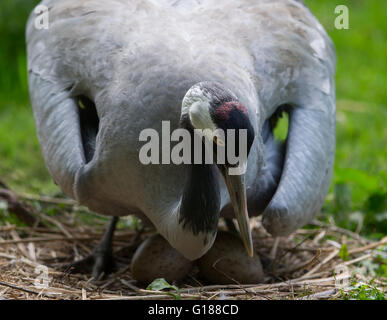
[103,72]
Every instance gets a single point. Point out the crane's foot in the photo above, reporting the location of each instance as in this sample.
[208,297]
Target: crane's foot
[101,261]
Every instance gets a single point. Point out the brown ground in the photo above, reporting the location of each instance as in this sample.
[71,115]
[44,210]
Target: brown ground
[306,265]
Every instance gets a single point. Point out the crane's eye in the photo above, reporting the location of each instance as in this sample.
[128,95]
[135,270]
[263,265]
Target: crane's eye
[219,141]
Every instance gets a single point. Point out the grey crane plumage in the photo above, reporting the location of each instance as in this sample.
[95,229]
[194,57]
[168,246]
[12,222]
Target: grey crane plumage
[136,60]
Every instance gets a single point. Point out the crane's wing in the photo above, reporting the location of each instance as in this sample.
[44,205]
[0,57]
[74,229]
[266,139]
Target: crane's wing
[71,60]
[296,66]
[307,171]
[56,112]
[57,121]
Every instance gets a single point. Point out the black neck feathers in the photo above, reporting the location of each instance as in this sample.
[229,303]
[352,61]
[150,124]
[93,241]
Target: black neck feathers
[200,204]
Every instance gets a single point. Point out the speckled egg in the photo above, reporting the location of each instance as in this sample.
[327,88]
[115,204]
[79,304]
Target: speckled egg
[155,258]
[227,262]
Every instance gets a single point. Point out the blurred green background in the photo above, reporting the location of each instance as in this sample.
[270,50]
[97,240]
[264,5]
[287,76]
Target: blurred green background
[358,195]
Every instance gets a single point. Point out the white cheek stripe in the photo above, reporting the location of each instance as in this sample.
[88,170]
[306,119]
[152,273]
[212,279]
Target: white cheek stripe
[197,105]
[200,116]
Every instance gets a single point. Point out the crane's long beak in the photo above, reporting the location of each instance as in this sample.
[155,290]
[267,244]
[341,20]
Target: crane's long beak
[237,190]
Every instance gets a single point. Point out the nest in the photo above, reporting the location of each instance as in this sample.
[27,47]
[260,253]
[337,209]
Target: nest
[306,265]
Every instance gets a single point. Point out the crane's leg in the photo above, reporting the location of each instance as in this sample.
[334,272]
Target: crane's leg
[101,259]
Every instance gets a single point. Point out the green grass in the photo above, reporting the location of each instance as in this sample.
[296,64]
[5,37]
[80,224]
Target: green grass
[363,292]
[360,177]
[21,163]
[361,50]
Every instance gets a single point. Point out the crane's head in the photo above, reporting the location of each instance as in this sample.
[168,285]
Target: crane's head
[216,111]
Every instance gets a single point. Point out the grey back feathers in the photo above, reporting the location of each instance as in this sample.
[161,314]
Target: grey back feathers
[135,61]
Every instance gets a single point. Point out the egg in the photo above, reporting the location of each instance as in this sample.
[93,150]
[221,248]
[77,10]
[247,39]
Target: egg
[155,258]
[227,262]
